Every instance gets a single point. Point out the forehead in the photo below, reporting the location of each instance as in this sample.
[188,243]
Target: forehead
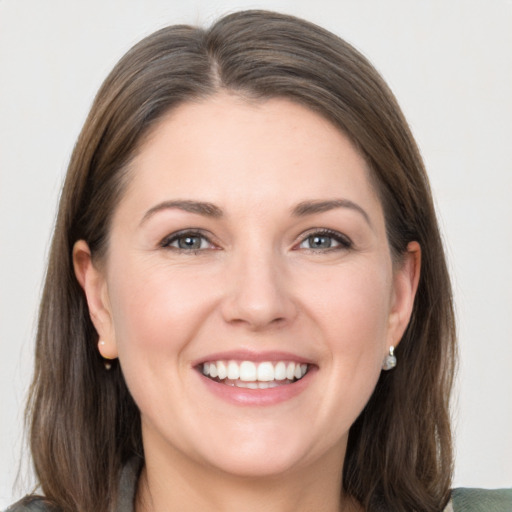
[227,149]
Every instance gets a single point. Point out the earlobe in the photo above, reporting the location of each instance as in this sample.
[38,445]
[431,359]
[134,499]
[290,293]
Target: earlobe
[93,282]
[107,353]
[406,279]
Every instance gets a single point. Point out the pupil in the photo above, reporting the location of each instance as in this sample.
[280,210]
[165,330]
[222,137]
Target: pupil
[320,242]
[189,242]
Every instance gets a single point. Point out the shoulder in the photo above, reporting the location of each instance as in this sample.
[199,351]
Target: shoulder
[482,500]
[32,504]
[126,492]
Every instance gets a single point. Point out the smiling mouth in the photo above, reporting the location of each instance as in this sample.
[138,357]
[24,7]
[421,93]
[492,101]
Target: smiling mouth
[250,375]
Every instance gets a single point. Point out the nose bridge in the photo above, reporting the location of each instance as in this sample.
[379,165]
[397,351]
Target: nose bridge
[258,292]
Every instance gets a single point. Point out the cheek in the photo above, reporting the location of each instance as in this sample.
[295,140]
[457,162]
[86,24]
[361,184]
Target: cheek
[157,312]
[156,308]
[352,305]
[351,311]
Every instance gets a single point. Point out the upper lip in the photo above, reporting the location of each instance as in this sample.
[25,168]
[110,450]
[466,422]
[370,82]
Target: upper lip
[255,356]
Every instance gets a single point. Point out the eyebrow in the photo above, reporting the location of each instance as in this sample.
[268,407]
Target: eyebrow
[312,207]
[210,210]
[199,207]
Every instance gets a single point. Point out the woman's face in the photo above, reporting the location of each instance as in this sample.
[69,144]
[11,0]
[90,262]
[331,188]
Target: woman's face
[250,245]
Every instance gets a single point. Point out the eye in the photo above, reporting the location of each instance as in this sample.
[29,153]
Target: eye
[187,241]
[325,240]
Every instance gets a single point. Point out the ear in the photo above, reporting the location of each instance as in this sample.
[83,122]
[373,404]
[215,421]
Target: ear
[405,284]
[94,284]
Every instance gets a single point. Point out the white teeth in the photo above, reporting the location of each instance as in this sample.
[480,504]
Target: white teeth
[263,375]
[266,385]
[265,372]
[233,370]
[248,385]
[290,371]
[255,385]
[280,371]
[247,371]
[222,371]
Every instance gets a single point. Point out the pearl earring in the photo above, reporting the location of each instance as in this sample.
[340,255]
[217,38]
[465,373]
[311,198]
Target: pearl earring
[389,360]
[106,361]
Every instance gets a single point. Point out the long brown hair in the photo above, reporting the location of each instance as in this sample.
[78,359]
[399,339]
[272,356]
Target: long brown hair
[84,423]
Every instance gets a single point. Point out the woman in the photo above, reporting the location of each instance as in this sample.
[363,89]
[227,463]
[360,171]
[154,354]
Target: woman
[247,304]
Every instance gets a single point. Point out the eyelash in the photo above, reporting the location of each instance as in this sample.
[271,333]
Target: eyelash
[343,241]
[175,237]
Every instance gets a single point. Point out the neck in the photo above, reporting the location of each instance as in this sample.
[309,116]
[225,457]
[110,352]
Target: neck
[177,483]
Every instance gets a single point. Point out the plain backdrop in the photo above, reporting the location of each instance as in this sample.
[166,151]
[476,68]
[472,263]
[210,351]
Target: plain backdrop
[448,62]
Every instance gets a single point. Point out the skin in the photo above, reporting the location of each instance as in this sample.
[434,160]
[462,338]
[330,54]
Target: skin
[258,283]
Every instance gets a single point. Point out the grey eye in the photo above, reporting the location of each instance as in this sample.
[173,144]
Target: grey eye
[187,241]
[325,240]
[319,241]
[190,242]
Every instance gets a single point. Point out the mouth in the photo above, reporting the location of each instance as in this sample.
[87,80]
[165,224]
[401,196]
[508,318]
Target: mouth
[254,375]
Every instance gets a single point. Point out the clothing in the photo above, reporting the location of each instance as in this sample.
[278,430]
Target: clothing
[463,500]
[482,500]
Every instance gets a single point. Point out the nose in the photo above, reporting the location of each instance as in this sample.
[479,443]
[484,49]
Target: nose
[258,292]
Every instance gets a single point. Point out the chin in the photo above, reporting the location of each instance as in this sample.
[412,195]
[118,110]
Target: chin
[266,453]
[263,465]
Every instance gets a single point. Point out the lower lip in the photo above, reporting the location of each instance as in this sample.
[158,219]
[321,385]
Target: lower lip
[258,397]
